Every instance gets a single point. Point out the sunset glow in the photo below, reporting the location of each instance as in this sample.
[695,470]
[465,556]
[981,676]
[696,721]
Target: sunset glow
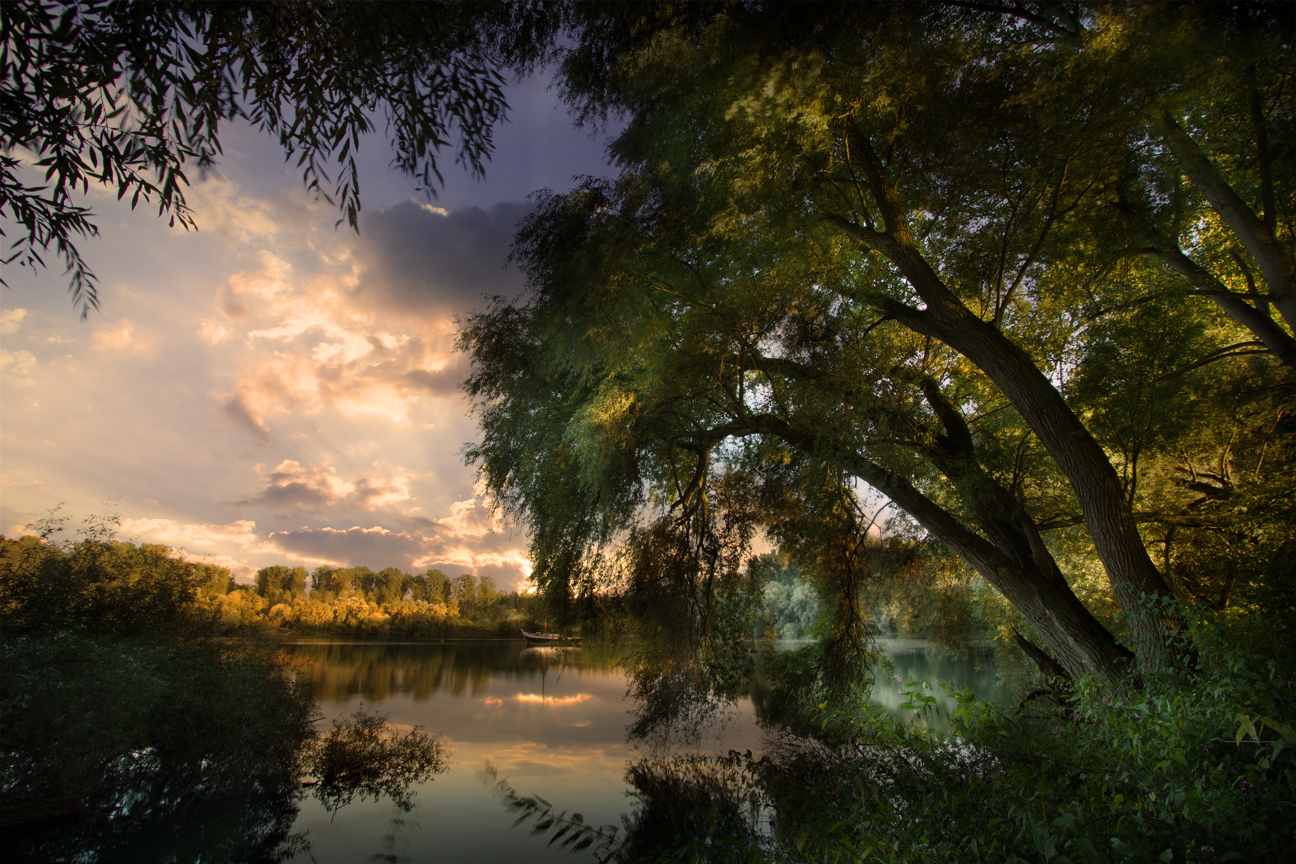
[270,389]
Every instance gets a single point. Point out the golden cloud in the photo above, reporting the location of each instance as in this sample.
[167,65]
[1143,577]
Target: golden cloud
[168,532]
[121,336]
[11,320]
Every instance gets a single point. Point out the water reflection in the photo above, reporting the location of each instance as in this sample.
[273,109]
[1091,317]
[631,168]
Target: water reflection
[552,721]
[341,671]
[911,660]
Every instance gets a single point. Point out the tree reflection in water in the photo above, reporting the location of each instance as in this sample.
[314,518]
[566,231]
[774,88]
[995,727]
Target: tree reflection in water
[376,671]
[126,750]
[362,757]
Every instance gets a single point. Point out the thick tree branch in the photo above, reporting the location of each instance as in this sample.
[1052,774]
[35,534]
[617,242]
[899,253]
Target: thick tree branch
[1083,461]
[1279,343]
[1277,266]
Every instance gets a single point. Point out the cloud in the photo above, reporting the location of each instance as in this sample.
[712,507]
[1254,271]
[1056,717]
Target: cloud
[376,547]
[259,287]
[416,260]
[553,700]
[16,362]
[120,336]
[419,544]
[313,344]
[168,532]
[280,381]
[237,408]
[372,494]
[443,381]
[219,208]
[528,759]
[291,484]
[200,543]
[470,519]
[320,330]
[326,352]
[535,768]
[214,332]
[10,320]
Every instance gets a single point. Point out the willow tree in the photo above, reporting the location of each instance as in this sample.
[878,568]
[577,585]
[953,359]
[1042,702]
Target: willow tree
[863,236]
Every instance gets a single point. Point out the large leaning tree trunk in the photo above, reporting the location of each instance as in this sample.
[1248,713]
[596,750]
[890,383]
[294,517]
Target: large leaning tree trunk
[1015,560]
[1009,553]
[1097,487]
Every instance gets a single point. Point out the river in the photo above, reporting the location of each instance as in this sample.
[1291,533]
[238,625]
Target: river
[551,721]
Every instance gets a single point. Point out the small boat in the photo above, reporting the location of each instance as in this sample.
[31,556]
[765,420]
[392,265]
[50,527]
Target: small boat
[550,639]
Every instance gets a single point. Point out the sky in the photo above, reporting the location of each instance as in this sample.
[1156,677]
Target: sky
[270,389]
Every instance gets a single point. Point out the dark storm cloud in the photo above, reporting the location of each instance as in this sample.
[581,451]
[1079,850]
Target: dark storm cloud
[419,261]
[295,494]
[295,486]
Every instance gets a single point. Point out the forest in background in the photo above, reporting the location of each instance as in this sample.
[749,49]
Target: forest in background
[356,600]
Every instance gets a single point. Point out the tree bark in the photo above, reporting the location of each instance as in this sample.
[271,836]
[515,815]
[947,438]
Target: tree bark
[1254,319]
[1082,460]
[1277,266]
[1050,669]
[1073,637]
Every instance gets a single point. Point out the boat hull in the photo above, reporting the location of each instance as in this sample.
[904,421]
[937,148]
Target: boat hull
[549,639]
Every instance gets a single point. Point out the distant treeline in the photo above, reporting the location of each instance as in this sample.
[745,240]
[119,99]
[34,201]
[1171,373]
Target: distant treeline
[360,599]
[127,581]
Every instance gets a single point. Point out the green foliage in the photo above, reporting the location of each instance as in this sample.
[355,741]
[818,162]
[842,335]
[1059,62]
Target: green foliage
[1204,450]
[465,594]
[389,585]
[693,614]
[881,244]
[279,583]
[97,585]
[789,599]
[438,587]
[213,581]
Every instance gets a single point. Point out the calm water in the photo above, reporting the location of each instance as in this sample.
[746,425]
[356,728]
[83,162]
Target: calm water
[551,721]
